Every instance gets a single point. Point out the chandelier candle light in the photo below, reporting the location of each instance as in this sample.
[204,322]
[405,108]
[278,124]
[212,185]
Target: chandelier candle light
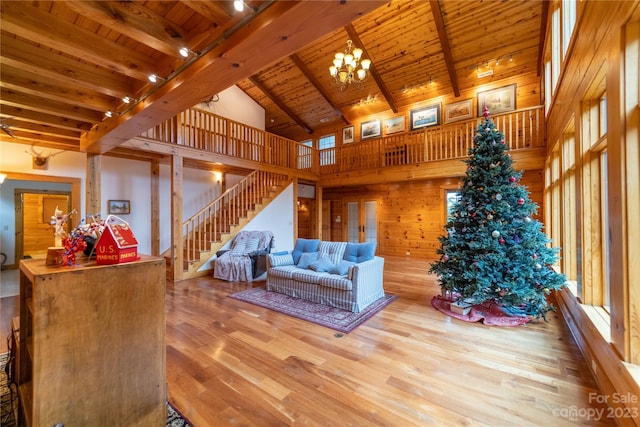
[345,68]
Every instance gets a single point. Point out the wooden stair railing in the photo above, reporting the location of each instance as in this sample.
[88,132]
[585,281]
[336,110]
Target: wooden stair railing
[217,223]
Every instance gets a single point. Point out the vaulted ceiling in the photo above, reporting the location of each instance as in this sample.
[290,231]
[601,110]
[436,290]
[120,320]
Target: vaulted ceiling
[66,63]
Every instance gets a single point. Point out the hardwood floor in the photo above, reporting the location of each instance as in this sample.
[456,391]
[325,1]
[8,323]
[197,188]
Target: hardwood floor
[9,307]
[233,363]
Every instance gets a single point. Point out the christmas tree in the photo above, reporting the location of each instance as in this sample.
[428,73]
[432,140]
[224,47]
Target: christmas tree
[494,251]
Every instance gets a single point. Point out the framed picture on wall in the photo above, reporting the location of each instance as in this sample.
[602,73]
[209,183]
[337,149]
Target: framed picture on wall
[458,111]
[497,100]
[425,116]
[370,129]
[394,125]
[347,134]
[119,206]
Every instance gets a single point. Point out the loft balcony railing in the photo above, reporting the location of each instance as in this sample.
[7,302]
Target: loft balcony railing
[195,128]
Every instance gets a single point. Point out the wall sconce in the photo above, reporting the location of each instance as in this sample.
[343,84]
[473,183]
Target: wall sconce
[217,176]
[3,176]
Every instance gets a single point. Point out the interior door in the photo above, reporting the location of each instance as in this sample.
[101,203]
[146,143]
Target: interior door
[362,221]
[34,232]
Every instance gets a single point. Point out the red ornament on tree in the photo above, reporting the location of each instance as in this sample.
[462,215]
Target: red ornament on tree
[521,201]
[512,179]
[501,240]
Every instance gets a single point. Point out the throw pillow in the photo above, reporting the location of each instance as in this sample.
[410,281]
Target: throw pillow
[342,268]
[239,248]
[322,265]
[334,250]
[252,245]
[280,259]
[304,245]
[306,259]
[360,252]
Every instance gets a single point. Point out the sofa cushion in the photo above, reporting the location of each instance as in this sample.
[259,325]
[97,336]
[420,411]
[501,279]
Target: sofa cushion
[283,271]
[337,282]
[342,268]
[306,258]
[304,245]
[360,252]
[323,264]
[278,259]
[307,276]
[334,250]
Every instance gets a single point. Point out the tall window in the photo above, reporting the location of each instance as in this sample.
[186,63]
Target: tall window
[596,203]
[569,204]
[327,145]
[547,86]
[568,23]
[604,207]
[602,115]
[555,49]
[452,199]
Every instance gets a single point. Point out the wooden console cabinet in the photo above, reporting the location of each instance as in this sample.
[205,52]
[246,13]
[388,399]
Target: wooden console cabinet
[92,344]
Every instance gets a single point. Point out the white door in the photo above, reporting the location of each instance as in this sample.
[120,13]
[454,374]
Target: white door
[362,223]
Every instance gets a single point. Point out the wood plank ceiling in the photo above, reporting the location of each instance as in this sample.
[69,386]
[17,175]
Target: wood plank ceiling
[65,63]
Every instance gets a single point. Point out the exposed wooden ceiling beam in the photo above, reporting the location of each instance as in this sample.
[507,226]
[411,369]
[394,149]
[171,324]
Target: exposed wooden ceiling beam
[221,17]
[134,21]
[215,12]
[43,129]
[446,48]
[34,84]
[316,84]
[54,120]
[62,69]
[353,35]
[279,31]
[36,103]
[41,140]
[35,24]
[279,103]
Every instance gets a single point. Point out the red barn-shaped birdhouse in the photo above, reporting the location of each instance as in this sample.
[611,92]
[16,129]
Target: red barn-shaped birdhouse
[117,244]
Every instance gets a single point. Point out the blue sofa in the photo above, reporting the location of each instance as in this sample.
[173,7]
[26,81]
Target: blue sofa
[338,274]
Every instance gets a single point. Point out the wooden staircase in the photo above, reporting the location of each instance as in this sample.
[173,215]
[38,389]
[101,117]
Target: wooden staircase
[213,226]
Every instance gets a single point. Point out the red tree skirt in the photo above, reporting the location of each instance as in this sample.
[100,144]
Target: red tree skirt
[489,313]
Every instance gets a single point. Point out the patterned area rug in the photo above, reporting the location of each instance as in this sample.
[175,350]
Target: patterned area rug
[8,394]
[330,317]
[490,314]
[9,400]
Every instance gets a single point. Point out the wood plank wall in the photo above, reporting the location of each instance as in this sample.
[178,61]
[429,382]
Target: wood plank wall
[411,215]
[38,232]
